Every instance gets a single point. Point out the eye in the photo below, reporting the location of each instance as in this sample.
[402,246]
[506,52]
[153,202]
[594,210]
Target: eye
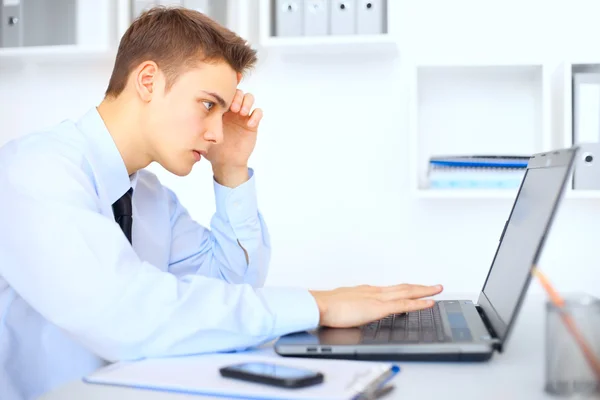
[208,104]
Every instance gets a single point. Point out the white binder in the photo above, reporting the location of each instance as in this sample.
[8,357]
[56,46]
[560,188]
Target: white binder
[316,17]
[370,17]
[343,17]
[11,34]
[586,130]
[288,17]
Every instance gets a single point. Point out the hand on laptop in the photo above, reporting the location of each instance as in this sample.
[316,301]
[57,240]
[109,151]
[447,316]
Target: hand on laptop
[354,306]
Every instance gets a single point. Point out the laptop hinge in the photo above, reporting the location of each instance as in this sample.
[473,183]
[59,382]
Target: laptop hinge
[495,339]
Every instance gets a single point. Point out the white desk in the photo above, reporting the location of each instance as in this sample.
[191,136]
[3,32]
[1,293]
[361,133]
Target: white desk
[518,373]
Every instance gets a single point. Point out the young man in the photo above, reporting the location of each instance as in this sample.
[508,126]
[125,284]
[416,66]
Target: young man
[99,262]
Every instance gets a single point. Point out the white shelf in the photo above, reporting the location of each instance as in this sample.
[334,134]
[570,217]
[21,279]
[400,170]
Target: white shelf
[509,194]
[351,43]
[582,194]
[476,108]
[311,41]
[91,40]
[100,24]
[465,193]
[549,92]
[332,44]
[457,60]
[66,53]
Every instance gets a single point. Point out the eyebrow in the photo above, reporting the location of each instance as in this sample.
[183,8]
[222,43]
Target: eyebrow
[219,99]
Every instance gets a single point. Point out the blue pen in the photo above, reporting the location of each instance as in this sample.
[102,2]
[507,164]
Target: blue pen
[377,389]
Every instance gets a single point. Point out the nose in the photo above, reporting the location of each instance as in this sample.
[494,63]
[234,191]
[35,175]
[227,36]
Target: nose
[214,131]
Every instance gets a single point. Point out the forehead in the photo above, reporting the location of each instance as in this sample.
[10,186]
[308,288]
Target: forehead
[216,77]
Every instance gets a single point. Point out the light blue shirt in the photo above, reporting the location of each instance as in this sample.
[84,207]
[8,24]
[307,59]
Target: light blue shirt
[74,294]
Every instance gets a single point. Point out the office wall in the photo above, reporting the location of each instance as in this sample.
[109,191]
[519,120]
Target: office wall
[332,157]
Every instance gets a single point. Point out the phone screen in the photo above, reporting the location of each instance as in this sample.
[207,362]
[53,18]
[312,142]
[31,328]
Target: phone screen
[273,370]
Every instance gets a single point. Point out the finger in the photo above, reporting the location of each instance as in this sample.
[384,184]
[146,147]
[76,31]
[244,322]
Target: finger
[256,117]
[405,286]
[418,291]
[247,104]
[403,306]
[411,292]
[236,104]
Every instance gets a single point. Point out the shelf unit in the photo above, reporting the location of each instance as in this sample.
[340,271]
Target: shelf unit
[93,37]
[346,43]
[466,194]
[499,194]
[101,23]
[448,116]
[445,118]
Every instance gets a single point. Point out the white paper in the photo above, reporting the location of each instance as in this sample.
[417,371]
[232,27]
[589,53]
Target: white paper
[200,374]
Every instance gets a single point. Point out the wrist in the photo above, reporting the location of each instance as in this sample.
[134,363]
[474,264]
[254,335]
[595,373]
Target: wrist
[230,176]
[321,303]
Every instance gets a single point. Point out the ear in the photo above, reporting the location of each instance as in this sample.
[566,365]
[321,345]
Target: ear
[146,79]
[239,77]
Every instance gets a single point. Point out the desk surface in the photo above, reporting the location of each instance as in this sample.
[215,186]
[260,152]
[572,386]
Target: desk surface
[518,373]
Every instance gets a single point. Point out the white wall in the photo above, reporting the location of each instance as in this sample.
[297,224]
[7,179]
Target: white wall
[332,157]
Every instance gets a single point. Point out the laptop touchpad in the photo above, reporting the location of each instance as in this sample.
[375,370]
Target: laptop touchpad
[459,327]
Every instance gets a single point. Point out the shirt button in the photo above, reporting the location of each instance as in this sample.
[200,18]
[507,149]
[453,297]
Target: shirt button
[236,204]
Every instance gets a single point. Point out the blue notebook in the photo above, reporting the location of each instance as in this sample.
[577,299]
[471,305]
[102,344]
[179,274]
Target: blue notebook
[482,161]
[343,379]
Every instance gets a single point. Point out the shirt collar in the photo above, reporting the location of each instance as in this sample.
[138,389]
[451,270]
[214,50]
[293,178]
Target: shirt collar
[109,164]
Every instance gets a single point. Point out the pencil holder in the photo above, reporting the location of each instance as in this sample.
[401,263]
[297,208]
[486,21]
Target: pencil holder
[568,371]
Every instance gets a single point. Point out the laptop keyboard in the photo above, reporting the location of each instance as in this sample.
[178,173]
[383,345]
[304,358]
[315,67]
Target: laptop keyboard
[424,326]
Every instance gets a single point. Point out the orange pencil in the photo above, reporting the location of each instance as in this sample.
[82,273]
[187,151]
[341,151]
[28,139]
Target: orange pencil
[559,302]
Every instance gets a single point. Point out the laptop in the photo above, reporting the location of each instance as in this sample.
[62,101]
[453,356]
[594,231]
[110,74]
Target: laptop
[460,330]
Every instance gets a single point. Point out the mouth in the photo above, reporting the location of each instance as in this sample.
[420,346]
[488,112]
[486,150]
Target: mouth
[198,154]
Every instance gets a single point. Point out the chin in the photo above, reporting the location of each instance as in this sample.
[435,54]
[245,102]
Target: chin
[179,170]
[183,171]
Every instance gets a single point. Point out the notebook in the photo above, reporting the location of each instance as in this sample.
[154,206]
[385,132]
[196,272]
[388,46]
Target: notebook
[343,379]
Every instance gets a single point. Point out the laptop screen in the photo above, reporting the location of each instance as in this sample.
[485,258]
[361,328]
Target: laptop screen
[523,237]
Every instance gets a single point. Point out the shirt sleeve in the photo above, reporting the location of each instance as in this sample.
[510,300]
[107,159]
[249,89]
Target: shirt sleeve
[238,230]
[74,266]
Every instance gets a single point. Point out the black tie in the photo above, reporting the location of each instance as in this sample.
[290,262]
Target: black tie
[123,213]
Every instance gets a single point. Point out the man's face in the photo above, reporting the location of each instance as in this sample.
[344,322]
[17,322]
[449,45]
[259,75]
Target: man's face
[184,122]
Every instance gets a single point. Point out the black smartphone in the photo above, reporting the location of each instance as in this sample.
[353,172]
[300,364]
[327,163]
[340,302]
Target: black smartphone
[273,374]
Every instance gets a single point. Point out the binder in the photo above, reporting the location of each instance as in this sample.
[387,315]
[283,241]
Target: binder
[37,22]
[316,17]
[493,161]
[445,177]
[343,17]
[288,17]
[48,23]
[586,129]
[199,374]
[482,171]
[370,17]
[586,170]
[11,33]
